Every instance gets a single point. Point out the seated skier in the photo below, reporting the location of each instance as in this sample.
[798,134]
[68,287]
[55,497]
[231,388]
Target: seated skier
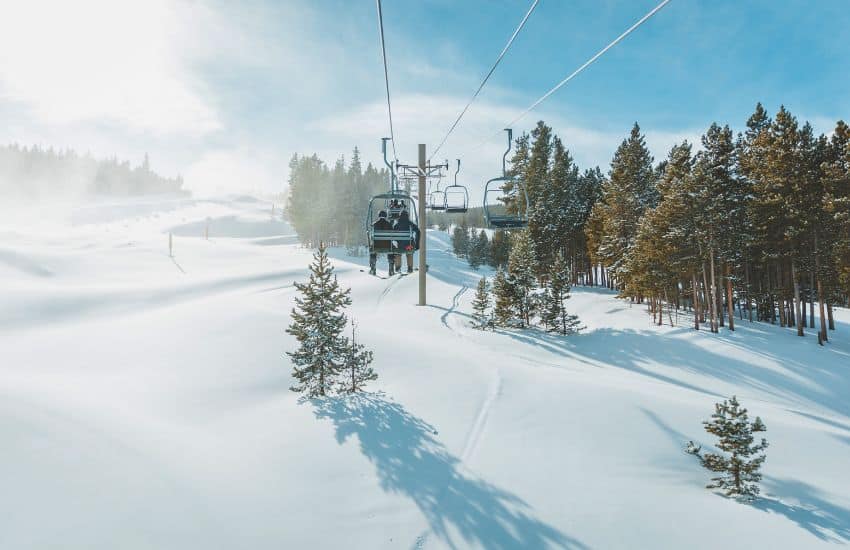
[404,224]
[381,224]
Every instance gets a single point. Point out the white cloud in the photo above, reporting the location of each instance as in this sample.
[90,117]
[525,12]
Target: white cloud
[105,61]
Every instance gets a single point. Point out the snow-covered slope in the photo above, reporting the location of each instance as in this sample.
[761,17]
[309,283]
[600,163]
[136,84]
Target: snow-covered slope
[145,404]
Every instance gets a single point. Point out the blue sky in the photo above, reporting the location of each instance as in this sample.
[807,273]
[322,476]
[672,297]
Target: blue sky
[225,92]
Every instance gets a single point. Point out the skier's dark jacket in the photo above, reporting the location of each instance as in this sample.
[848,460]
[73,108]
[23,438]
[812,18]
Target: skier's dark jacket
[404,224]
[383,224]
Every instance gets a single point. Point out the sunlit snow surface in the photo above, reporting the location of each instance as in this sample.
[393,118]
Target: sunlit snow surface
[144,403]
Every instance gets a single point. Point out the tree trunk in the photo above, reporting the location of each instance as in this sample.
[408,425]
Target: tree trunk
[714,323]
[747,283]
[660,311]
[718,294]
[790,304]
[729,302]
[695,300]
[829,316]
[822,337]
[780,295]
[798,314]
[770,298]
[803,307]
[669,308]
[812,298]
[709,299]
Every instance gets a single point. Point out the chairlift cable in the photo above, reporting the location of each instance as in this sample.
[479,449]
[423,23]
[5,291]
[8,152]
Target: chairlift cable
[575,73]
[386,75]
[486,78]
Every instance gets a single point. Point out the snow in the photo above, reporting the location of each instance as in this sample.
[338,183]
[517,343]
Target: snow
[145,404]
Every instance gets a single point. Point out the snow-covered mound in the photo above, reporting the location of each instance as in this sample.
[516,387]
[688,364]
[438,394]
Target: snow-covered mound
[145,404]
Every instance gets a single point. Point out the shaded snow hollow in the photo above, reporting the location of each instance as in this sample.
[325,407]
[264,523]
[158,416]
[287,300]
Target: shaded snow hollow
[145,404]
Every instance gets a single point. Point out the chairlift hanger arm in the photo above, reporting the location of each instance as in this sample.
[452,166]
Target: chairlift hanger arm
[508,150]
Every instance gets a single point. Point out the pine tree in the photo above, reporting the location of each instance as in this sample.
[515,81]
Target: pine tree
[357,366]
[500,250]
[627,193]
[317,323]
[556,220]
[835,236]
[554,312]
[514,200]
[460,240]
[521,275]
[472,249]
[721,211]
[739,473]
[481,305]
[479,249]
[664,251]
[504,292]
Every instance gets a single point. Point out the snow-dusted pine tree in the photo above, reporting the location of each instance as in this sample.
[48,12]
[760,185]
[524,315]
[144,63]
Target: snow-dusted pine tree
[522,274]
[500,249]
[472,256]
[479,249]
[460,240]
[317,323]
[626,194]
[554,311]
[481,305]
[504,293]
[739,473]
[357,366]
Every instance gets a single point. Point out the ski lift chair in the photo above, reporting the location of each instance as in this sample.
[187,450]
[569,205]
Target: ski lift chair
[391,241]
[496,213]
[456,196]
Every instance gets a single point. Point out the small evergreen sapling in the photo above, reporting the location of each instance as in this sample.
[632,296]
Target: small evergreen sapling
[357,366]
[504,292]
[481,305]
[317,323]
[521,266]
[739,473]
[554,310]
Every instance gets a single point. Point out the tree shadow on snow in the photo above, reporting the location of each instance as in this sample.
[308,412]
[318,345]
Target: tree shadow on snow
[815,514]
[796,375]
[410,461]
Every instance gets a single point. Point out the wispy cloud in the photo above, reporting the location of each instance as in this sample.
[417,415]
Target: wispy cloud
[421,118]
[103,61]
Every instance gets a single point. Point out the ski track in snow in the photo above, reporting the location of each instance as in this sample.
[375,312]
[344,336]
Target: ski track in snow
[480,423]
[387,290]
[455,302]
[477,430]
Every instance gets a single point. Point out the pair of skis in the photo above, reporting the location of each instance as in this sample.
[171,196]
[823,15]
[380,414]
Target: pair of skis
[399,273]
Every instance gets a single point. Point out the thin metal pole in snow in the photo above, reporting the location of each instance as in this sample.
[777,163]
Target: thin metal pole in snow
[423,227]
